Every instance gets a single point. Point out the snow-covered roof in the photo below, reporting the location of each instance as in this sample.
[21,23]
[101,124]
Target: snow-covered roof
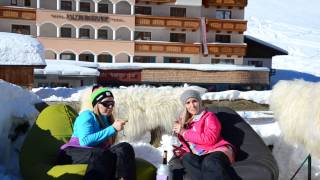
[58,67]
[200,67]
[189,3]
[18,49]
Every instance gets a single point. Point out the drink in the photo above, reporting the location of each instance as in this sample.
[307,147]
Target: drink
[163,170]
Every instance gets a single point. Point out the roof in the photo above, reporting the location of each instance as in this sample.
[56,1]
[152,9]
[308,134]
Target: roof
[257,48]
[20,50]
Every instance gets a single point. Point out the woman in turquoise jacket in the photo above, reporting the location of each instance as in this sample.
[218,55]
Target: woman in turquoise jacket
[92,141]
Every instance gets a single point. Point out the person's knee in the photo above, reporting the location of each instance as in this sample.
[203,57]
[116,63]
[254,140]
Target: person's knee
[213,160]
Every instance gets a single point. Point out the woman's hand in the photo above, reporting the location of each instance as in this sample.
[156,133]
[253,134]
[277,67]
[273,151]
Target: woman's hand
[118,124]
[177,128]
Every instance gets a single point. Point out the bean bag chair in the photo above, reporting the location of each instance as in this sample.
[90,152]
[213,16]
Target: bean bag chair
[53,128]
[254,160]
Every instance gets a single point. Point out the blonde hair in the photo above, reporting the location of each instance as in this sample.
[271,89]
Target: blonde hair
[186,117]
[98,117]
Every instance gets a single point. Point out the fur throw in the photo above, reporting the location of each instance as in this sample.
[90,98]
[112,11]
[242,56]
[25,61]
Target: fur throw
[146,108]
[296,105]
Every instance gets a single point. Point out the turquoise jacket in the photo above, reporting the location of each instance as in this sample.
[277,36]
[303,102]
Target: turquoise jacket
[87,129]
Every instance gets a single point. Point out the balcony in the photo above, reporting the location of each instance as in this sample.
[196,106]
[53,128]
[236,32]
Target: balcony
[160,47]
[226,3]
[155,1]
[11,12]
[227,49]
[227,25]
[169,22]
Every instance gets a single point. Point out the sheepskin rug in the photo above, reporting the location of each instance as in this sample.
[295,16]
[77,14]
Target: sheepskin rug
[296,105]
[145,108]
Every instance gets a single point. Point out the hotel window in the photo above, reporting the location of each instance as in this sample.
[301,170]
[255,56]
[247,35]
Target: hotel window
[143,10]
[144,59]
[179,12]
[256,63]
[106,58]
[20,29]
[102,34]
[86,57]
[65,32]
[223,14]
[85,6]
[139,35]
[185,60]
[178,37]
[14,2]
[66,5]
[223,38]
[27,3]
[67,56]
[103,8]
[84,33]
[222,61]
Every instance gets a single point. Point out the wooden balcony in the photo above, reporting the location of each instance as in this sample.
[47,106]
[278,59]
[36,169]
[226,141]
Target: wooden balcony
[155,1]
[169,22]
[160,47]
[226,3]
[229,25]
[227,49]
[10,12]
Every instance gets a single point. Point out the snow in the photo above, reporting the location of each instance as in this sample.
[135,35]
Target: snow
[17,49]
[189,3]
[57,67]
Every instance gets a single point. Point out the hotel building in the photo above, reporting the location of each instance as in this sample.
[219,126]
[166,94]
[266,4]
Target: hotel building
[114,32]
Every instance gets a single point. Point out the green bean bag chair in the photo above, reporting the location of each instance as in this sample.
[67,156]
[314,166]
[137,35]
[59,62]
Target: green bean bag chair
[41,147]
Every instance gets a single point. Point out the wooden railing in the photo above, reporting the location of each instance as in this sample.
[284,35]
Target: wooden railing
[227,25]
[227,49]
[170,22]
[156,1]
[17,13]
[227,3]
[159,47]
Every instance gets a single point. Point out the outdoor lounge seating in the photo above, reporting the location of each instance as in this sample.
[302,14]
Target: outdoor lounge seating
[254,160]
[53,128]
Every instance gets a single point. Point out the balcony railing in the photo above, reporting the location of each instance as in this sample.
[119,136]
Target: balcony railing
[170,22]
[227,49]
[227,25]
[17,13]
[227,3]
[159,47]
[156,1]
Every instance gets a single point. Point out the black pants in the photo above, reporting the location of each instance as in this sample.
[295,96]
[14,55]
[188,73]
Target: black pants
[213,166]
[107,164]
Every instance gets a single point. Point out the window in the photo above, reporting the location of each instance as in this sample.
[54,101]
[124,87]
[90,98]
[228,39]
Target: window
[222,61]
[65,32]
[223,38]
[67,56]
[102,34]
[14,2]
[103,8]
[107,58]
[27,3]
[66,5]
[143,10]
[139,35]
[185,60]
[84,33]
[178,37]
[144,59]
[256,63]
[20,29]
[223,14]
[85,6]
[179,12]
[86,57]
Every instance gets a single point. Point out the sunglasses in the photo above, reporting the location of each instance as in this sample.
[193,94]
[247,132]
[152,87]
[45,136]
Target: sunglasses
[107,104]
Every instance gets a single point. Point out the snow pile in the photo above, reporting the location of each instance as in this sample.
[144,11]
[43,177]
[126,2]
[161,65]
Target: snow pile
[17,49]
[16,108]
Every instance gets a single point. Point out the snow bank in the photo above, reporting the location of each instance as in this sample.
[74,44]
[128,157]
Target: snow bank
[18,49]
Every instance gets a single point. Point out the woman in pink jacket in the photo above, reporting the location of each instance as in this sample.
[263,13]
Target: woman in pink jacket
[207,155]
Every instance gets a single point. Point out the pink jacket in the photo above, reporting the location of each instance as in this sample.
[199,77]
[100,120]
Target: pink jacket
[203,136]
